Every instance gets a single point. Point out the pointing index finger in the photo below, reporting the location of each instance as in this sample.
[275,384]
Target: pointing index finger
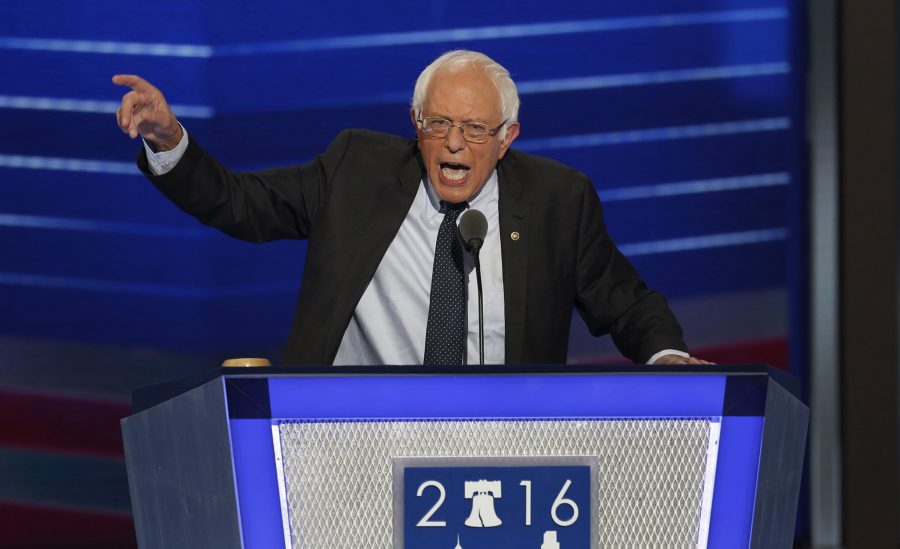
[133,81]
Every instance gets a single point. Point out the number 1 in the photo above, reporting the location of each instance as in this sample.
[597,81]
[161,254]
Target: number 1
[527,485]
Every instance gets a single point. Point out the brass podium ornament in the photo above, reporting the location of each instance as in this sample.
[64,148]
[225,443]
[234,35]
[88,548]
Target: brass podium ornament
[246,363]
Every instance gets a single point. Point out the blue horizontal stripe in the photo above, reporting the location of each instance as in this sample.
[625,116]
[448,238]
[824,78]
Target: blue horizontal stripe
[140,288]
[87,165]
[557,85]
[89,106]
[410,397]
[67,164]
[93,226]
[695,187]
[651,78]
[703,242]
[113,286]
[395,38]
[654,134]
[106,47]
[544,143]
[503,31]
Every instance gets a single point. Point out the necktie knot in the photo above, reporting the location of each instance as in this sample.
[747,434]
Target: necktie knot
[453,210]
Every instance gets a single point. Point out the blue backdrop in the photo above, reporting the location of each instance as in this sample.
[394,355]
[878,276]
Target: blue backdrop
[687,115]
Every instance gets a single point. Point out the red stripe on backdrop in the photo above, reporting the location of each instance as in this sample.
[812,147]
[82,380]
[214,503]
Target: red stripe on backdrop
[27,526]
[61,423]
[771,351]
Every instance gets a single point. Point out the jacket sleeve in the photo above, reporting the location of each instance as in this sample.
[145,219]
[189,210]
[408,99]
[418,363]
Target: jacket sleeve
[610,295]
[256,207]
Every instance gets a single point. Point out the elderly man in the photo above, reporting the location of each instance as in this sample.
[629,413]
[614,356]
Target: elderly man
[385,279]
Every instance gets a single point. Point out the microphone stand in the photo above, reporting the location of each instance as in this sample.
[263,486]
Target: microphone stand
[472,230]
[475,251]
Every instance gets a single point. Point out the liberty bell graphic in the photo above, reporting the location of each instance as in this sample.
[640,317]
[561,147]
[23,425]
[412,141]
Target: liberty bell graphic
[482,493]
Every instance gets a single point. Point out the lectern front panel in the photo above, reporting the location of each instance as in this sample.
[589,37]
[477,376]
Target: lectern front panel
[407,458]
[655,438]
[651,478]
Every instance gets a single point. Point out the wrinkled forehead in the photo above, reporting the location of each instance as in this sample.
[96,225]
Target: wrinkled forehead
[467,87]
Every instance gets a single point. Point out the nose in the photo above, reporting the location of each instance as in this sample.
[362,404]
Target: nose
[454,140]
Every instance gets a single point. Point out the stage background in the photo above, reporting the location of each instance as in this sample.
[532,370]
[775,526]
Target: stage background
[688,116]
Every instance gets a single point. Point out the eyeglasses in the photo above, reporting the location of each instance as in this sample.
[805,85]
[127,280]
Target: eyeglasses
[473,132]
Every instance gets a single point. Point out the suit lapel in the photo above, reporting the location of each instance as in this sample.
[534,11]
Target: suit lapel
[375,235]
[514,250]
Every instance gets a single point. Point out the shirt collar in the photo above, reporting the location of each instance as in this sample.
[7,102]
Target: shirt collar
[487,194]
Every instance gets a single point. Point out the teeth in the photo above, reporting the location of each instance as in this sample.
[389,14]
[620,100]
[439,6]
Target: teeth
[454,174]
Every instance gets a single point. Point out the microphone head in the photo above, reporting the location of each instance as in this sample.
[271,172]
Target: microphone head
[473,228]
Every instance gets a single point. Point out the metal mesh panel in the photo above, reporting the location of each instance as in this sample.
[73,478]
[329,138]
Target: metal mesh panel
[338,474]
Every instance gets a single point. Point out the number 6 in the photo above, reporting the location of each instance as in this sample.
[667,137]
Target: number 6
[560,501]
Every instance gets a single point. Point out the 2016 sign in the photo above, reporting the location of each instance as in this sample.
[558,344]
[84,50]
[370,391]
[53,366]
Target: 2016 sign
[516,506]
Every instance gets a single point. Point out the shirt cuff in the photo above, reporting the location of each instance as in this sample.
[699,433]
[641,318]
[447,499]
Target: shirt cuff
[665,352]
[161,163]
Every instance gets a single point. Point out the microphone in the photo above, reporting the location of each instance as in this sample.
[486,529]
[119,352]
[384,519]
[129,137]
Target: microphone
[472,231]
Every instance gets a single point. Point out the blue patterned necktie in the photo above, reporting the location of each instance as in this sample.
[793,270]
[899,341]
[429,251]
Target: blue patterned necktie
[445,336]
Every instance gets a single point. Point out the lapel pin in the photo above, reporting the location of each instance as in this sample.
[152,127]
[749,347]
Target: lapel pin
[514,235]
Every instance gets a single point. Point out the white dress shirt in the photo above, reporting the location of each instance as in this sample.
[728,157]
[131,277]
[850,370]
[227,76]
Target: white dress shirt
[389,323]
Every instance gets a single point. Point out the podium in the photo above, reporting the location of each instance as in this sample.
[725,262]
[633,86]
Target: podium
[334,457]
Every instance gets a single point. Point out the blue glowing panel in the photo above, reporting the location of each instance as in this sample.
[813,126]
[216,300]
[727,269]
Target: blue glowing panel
[378,397]
[257,483]
[737,467]
[474,396]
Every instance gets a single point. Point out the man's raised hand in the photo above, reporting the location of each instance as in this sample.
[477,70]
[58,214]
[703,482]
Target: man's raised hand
[144,112]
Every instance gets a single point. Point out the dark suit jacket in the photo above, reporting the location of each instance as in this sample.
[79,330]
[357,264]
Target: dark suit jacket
[350,202]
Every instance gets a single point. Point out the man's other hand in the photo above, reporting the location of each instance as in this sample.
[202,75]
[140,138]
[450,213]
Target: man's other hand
[144,112]
[669,360]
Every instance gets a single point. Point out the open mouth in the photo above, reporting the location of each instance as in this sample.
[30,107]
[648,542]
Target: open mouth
[454,172]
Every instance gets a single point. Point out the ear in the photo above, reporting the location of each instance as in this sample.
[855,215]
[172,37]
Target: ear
[512,132]
[412,117]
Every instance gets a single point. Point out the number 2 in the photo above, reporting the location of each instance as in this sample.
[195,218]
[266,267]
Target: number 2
[426,519]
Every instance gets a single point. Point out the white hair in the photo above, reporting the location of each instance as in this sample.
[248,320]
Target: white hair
[509,95]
